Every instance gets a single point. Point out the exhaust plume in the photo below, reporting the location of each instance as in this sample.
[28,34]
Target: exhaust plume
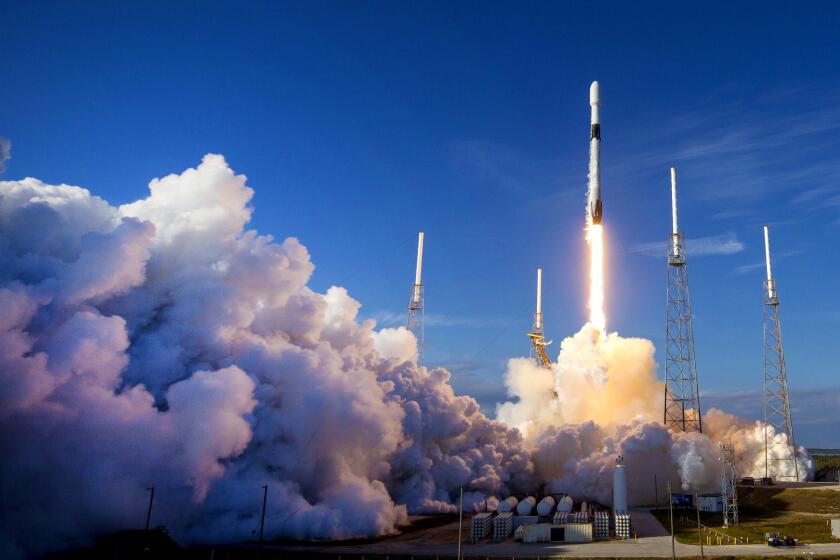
[164,343]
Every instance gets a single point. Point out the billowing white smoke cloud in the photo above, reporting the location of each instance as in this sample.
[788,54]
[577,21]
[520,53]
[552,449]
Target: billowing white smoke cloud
[602,399]
[162,343]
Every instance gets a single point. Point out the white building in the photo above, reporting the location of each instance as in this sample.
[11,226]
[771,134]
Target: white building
[710,502]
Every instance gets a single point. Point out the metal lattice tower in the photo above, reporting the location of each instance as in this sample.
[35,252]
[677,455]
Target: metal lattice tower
[416,303]
[536,335]
[779,446]
[682,396]
[728,489]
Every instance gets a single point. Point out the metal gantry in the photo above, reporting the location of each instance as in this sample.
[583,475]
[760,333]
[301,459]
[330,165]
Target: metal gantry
[415,320]
[728,489]
[779,445]
[682,396]
[537,335]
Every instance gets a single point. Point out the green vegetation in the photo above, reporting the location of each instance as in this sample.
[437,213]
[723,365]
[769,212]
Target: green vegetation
[764,500]
[803,514]
[825,458]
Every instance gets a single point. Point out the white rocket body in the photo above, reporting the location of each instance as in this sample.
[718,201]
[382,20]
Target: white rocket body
[619,487]
[595,206]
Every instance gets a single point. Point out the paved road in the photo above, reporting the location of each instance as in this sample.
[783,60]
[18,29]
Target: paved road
[653,541]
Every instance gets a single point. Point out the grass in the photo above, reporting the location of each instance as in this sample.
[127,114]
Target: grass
[764,500]
[825,458]
[803,514]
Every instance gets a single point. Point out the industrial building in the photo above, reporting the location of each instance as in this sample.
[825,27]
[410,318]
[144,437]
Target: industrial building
[554,519]
[710,502]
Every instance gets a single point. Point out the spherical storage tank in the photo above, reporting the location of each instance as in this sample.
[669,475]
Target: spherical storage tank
[526,506]
[546,506]
[565,504]
[507,504]
[619,486]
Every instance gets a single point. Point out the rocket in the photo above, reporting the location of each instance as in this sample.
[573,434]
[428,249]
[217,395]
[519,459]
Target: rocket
[595,207]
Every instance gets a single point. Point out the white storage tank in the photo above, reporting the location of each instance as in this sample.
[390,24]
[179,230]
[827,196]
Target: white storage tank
[565,504]
[619,486]
[526,506]
[508,504]
[546,506]
[491,503]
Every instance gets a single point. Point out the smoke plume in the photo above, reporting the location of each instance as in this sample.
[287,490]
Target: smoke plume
[163,343]
[602,399]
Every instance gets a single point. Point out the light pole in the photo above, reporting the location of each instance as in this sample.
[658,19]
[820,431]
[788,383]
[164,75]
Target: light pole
[151,491]
[671,515]
[699,527]
[460,518]
[262,517]
[655,491]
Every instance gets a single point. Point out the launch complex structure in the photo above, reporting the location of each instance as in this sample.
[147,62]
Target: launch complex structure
[779,445]
[682,412]
[416,305]
[537,335]
[682,396]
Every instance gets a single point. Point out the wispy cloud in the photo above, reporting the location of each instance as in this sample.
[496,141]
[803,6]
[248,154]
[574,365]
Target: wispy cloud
[500,166]
[746,154]
[724,244]
[391,319]
[778,255]
[5,152]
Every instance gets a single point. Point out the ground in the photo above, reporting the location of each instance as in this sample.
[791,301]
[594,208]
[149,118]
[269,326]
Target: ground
[801,513]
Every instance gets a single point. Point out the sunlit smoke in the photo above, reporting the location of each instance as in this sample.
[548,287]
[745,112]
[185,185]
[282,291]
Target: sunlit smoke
[595,238]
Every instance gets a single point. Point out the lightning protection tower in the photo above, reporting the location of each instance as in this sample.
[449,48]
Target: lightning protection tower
[779,446]
[536,335]
[728,489]
[416,304]
[682,397]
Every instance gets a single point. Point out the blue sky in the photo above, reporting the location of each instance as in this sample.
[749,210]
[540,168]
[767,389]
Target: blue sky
[360,124]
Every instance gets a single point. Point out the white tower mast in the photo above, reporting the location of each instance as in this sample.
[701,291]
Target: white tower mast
[682,396]
[416,304]
[779,445]
[536,335]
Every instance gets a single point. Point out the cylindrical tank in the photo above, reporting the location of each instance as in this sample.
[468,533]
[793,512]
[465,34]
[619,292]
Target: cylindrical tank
[546,506]
[526,506]
[565,504]
[584,507]
[491,503]
[508,504]
[619,486]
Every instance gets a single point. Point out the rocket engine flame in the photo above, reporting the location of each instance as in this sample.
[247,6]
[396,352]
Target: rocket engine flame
[595,238]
